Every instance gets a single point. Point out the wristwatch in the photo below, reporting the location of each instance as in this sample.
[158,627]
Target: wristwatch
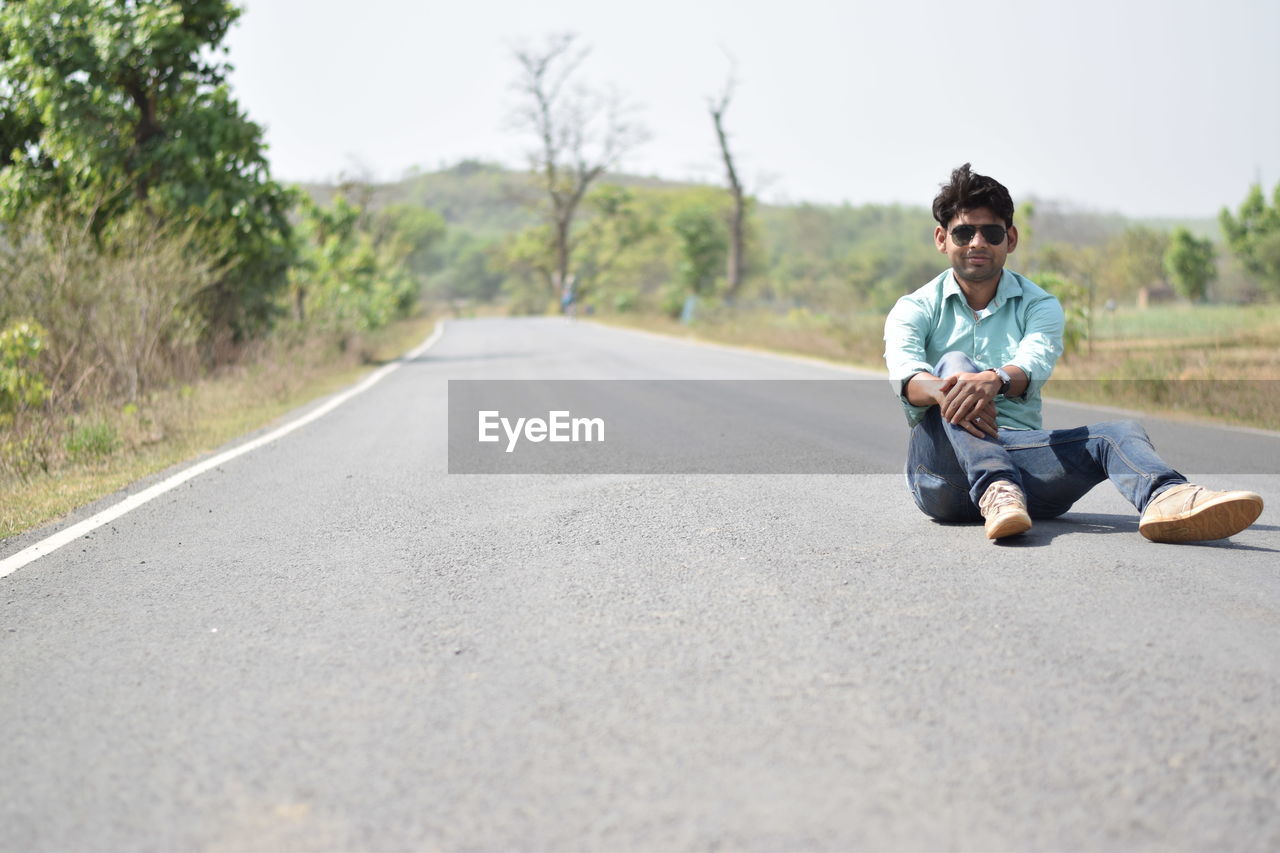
[1005,379]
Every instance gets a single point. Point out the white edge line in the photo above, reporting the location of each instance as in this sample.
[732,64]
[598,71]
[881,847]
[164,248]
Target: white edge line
[871,374]
[70,534]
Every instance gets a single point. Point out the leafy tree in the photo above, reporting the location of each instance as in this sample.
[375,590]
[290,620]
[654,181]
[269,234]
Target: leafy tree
[1074,298]
[529,258]
[355,272]
[704,242]
[1130,261]
[21,384]
[845,258]
[618,225]
[115,105]
[1190,264]
[405,236]
[1253,236]
[465,267]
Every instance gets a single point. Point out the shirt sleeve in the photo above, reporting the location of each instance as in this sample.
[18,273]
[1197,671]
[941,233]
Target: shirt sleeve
[905,331]
[1041,343]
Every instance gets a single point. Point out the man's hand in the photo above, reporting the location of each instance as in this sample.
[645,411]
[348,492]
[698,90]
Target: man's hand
[968,400]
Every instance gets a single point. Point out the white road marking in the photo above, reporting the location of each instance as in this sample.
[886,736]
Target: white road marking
[47,546]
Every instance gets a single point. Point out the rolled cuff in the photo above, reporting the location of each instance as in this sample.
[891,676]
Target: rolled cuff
[900,373]
[1034,372]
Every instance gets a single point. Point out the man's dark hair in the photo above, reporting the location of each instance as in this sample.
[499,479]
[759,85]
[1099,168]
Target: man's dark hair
[967,190]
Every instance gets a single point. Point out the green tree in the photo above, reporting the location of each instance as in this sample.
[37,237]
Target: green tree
[1074,298]
[115,105]
[704,242]
[1253,236]
[355,271]
[465,267]
[616,228]
[1130,261]
[405,236]
[529,259]
[1189,261]
[21,384]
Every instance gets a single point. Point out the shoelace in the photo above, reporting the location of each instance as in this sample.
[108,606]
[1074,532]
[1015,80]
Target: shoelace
[1186,497]
[1000,495]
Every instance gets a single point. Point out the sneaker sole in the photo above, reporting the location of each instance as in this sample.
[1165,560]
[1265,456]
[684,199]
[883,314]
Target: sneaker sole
[1010,525]
[1215,519]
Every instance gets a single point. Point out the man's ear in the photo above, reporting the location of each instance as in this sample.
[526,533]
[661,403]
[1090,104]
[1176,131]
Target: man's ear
[1013,237]
[940,239]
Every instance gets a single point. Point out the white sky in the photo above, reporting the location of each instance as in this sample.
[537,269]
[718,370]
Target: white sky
[1147,108]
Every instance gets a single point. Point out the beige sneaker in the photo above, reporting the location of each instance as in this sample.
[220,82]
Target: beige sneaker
[1191,513]
[1004,506]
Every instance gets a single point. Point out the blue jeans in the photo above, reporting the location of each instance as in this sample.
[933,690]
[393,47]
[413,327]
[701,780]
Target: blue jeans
[948,469]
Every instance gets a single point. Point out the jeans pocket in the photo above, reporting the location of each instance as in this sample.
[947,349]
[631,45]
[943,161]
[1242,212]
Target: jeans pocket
[941,499]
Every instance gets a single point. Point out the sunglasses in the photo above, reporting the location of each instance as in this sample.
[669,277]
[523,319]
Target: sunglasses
[993,234]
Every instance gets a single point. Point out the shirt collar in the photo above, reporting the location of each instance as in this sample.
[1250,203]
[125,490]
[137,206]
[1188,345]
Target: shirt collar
[1005,290]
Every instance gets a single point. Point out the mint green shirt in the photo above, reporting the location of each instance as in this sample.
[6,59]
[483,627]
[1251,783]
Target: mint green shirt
[1022,326]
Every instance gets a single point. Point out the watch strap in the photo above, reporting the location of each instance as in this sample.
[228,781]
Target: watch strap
[1005,379]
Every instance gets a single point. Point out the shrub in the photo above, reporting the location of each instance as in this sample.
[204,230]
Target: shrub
[22,386]
[1075,306]
[119,311]
[92,441]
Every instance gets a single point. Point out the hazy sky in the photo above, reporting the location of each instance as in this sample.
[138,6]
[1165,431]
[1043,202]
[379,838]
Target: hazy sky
[1148,108]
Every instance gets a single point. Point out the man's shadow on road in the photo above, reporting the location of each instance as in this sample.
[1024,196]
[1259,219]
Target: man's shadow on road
[1075,523]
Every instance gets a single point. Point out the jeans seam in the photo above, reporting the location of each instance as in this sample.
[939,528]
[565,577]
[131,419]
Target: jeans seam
[920,469]
[1108,439]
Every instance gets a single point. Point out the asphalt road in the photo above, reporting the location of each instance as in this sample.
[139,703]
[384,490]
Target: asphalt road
[332,643]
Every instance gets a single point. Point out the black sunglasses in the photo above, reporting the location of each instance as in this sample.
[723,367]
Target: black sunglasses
[993,234]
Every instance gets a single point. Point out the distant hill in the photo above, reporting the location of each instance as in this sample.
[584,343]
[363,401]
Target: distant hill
[1062,222]
[489,200]
[822,256]
[485,199]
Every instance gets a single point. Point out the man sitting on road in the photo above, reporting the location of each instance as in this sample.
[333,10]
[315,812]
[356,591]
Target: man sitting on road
[968,354]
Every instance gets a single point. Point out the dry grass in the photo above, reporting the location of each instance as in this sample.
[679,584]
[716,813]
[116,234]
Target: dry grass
[853,339]
[1218,363]
[177,423]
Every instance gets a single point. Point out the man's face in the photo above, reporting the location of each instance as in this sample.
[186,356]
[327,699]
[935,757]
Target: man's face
[980,261]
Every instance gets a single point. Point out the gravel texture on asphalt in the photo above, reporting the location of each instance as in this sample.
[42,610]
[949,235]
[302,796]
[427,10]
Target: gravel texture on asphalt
[331,643]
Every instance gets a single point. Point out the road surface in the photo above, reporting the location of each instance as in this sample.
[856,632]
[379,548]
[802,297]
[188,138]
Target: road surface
[331,643]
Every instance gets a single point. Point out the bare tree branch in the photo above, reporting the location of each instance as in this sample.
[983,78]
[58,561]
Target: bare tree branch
[580,134]
[735,265]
